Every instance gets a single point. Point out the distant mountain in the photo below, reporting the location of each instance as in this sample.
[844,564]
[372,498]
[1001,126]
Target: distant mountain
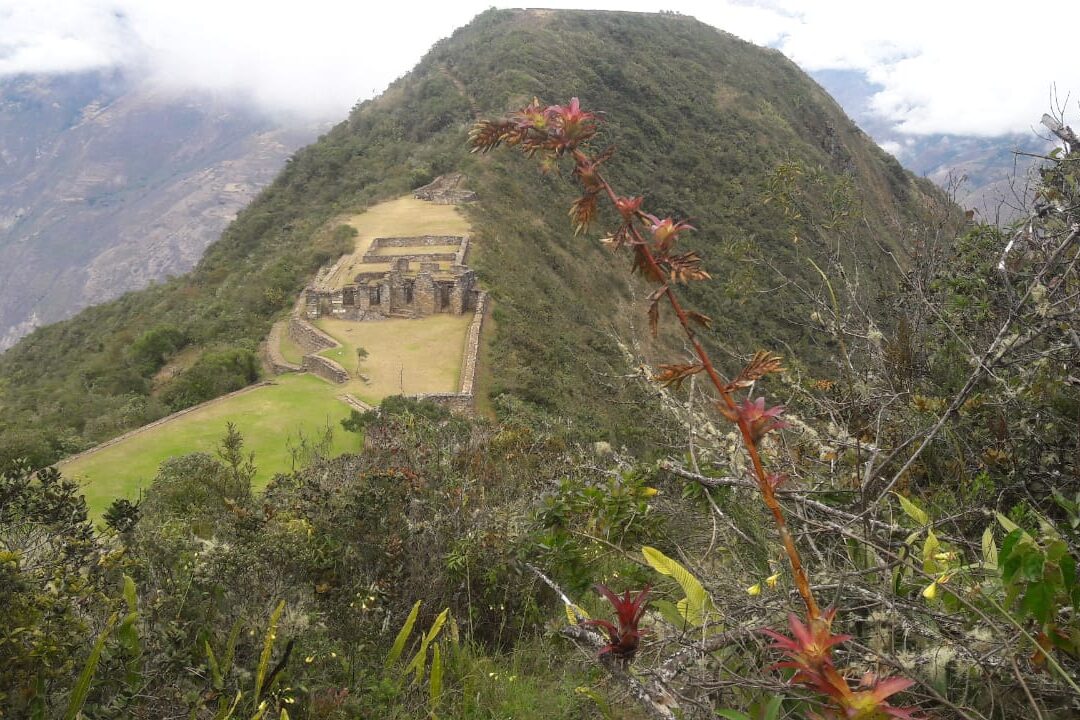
[984,173]
[107,185]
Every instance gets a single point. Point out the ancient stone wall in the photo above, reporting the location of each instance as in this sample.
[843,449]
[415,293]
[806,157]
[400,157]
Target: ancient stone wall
[469,362]
[326,368]
[308,336]
[415,241]
[271,350]
[459,403]
[446,190]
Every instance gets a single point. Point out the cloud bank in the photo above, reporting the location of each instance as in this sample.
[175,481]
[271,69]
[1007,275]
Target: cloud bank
[953,67]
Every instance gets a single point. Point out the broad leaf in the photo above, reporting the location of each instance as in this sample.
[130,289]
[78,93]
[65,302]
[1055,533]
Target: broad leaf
[912,510]
[697,604]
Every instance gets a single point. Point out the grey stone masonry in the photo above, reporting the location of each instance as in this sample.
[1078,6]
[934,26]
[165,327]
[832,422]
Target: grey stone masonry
[446,190]
[326,368]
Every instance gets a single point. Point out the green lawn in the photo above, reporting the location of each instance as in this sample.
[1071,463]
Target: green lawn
[271,419]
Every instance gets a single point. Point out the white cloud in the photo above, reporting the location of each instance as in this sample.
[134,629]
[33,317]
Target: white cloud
[963,67]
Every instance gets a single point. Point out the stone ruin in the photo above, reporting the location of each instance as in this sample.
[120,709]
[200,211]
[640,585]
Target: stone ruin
[416,284]
[445,190]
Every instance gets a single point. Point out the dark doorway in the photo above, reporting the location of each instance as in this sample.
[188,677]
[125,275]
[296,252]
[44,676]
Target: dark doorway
[348,296]
[374,295]
[408,293]
[444,296]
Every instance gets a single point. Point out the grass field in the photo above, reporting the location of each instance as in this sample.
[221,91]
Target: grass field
[403,217]
[271,419]
[404,356]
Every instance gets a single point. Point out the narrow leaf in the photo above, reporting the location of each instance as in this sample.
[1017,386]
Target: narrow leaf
[435,686]
[82,685]
[215,670]
[268,648]
[989,548]
[402,636]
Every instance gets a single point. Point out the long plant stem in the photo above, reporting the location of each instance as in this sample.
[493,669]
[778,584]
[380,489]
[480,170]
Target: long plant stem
[802,582]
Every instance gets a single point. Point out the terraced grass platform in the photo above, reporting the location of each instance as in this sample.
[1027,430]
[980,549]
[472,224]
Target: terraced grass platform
[272,420]
[405,357]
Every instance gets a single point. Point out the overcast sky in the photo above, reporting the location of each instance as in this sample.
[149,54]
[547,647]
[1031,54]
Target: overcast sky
[982,68]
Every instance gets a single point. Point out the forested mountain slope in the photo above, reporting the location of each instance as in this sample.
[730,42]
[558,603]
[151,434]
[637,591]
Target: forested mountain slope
[729,135]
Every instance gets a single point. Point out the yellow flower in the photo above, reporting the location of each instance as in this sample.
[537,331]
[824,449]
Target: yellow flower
[754,589]
[930,591]
[772,580]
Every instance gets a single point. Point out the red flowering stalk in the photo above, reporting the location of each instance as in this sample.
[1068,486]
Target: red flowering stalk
[622,639]
[760,420]
[561,130]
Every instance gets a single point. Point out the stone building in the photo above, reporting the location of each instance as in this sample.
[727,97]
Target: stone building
[417,283]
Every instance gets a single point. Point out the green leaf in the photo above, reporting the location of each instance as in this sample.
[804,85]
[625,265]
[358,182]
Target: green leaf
[1068,572]
[733,715]
[772,709]
[268,649]
[419,660]
[1037,602]
[437,625]
[435,686]
[989,549]
[1006,522]
[697,604]
[402,636]
[130,595]
[930,546]
[215,670]
[82,685]
[669,612]
[1034,562]
[912,510]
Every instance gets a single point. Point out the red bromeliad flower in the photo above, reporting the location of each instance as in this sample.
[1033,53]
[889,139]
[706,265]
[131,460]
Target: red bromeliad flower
[622,639]
[760,420]
[665,231]
[571,125]
[810,654]
[629,207]
[869,701]
[810,647]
